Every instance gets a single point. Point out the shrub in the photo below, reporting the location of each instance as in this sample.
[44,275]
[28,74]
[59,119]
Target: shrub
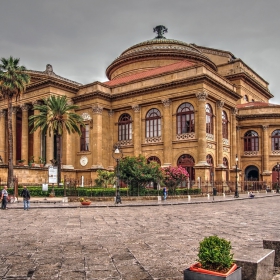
[214,254]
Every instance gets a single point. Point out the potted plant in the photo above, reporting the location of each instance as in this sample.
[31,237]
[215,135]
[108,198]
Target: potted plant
[42,161]
[31,161]
[20,161]
[85,201]
[215,261]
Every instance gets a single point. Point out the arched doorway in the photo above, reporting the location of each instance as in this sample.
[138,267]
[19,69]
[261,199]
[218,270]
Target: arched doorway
[252,173]
[187,161]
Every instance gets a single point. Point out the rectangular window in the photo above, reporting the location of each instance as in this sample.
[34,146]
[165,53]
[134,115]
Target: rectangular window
[84,140]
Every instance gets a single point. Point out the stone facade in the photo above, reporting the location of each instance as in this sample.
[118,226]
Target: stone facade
[154,104]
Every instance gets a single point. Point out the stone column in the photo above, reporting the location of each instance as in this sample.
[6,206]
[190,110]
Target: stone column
[201,129]
[136,130]
[24,132]
[111,140]
[14,129]
[37,141]
[3,149]
[265,150]
[97,147]
[220,105]
[234,140]
[50,148]
[167,132]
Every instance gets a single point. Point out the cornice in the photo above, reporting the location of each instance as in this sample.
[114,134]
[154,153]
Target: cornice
[257,116]
[52,82]
[90,95]
[255,84]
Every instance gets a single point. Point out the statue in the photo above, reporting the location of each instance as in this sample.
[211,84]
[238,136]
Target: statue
[49,69]
[160,30]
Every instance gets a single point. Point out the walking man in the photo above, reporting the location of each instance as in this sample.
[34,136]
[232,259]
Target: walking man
[4,198]
[26,198]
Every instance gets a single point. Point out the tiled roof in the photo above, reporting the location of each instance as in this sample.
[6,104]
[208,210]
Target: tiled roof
[255,104]
[149,73]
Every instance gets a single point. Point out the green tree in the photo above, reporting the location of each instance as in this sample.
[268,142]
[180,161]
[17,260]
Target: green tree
[55,116]
[13,82]
[105,178]
[137,171]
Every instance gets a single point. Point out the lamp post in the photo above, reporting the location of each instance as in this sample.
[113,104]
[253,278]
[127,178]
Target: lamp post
[236,194]
[117,155]
[278,167]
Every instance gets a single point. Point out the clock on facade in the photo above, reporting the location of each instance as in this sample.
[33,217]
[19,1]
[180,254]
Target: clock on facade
[83,161]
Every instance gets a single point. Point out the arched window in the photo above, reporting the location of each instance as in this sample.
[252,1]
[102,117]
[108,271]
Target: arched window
[125,127]
[154,158]
[153,123]
[246,98]
[185,118]
[209,119]
[187,161]
[251,141]
[275,140]
[225,125]
[225,162]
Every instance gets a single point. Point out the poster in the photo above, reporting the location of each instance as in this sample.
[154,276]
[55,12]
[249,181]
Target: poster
[52,174]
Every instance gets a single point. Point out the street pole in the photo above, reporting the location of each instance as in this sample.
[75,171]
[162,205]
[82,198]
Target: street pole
[117,155]
[236,194]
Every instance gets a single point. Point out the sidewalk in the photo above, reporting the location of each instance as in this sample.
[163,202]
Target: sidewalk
[57,202]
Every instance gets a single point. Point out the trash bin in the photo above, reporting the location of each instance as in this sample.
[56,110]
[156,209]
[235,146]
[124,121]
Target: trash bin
[214,191]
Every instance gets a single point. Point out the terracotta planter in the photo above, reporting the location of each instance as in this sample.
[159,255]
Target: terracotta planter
[197,273]
[86,202]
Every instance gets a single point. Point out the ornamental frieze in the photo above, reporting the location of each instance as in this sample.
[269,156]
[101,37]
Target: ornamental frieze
[202,96]
[210,146]
[86,116]
[135,108]
[225,141]
[251,153]
[166,102]
[97,109]
[185,136]
[125,142]
[276,152]
[153,139]
[209,136]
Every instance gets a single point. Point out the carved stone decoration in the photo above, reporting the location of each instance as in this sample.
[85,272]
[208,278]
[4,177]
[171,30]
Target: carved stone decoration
[225,149]
[202,96]
[185,136]
[210,146]
[24,107]
[251,153]
[86,116]
[276,152]
[125,142]
[234,111]
[225,141]
[166,102]
[49,69]
[135,108]
[160,30]
[220,104]
[97,109]
[265,127]
[3,113]
[110,113]
[153,139]
[209,136]
[14,110]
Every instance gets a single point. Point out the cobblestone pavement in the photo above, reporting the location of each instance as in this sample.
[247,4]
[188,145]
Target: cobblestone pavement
[157,241]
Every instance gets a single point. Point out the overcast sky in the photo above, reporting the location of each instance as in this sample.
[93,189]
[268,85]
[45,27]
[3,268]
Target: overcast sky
[80,38]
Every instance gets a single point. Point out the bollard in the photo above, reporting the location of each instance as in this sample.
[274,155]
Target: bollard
[224,195]
[208,196]
[189,197]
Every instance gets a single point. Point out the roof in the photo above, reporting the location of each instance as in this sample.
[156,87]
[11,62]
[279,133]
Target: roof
[149,73]
[255,104]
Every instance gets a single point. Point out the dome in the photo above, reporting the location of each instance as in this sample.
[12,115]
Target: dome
[155,53]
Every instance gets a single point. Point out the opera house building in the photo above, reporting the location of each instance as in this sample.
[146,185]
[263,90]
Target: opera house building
[173,102]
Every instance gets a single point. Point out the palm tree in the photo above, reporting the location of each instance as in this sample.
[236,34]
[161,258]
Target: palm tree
[55,116]
[13,82]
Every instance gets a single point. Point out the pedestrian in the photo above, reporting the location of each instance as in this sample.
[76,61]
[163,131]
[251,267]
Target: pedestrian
[26,198]
[164,193]
[4,198]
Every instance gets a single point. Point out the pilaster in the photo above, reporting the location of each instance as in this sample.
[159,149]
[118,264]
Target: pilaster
[97,147]
[24,132]
[110,139]
[167,132]
[233,137]
[3,150]
[137,130]
[37,140]
[14,129]
[266,172]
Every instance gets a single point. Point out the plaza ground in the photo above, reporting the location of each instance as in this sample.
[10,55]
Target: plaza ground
[135,240]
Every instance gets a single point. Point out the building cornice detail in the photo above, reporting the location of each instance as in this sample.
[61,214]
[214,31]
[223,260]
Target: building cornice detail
[97,109]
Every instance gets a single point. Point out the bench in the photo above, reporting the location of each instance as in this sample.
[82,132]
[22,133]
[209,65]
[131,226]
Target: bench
[256,263]
[273,245]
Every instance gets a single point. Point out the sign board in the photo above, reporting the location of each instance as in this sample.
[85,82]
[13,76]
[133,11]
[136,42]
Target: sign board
[44,187]
[52,174]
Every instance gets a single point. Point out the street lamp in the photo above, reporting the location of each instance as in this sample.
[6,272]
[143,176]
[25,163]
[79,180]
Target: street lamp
[278,166]
[236,194]
[117,155]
